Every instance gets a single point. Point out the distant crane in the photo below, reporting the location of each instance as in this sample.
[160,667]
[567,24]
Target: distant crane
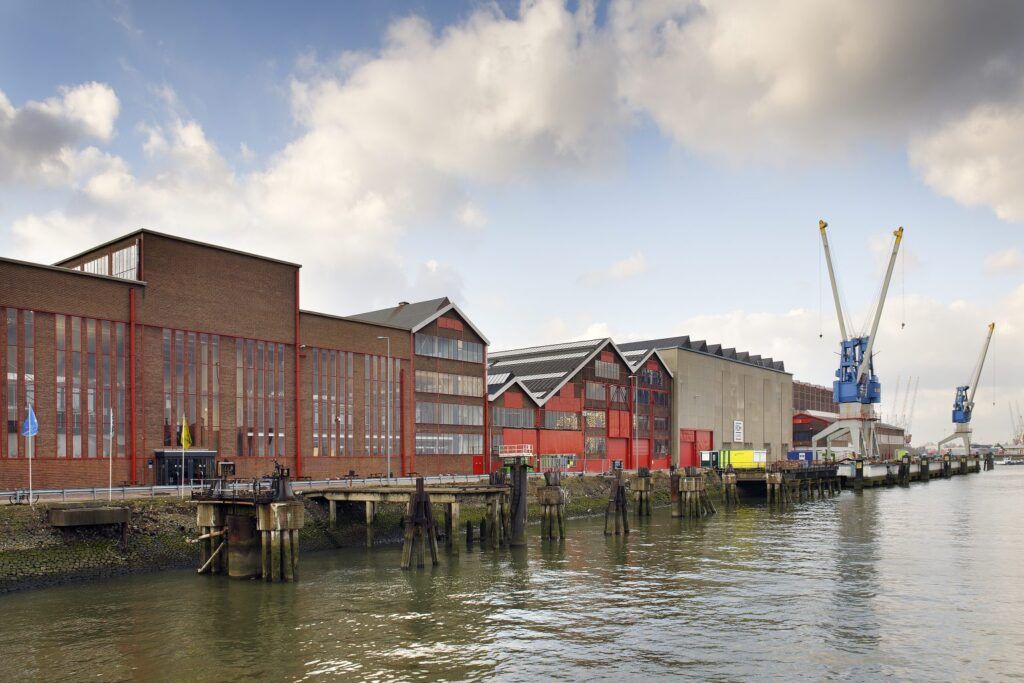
[908,418]
[894,416]
[963,406]
[856,389]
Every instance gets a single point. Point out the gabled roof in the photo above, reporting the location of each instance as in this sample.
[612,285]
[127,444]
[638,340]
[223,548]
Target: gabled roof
[500,386]
[544,370]
[640,356]
[415,316]
[701,346]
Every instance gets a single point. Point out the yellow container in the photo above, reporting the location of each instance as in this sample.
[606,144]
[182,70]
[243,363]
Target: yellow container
[742,459]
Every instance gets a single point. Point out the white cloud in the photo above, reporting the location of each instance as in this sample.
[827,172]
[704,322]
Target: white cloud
[750,78]
[977,159]
[1005,260]
[940,343]
[624,269]
[38,142]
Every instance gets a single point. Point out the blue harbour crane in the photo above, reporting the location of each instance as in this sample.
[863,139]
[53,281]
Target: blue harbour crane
[963,405]
[856,388]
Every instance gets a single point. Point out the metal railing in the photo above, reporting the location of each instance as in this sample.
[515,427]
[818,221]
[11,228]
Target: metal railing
[125,492]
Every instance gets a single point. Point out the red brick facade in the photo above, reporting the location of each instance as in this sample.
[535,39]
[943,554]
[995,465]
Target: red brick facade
[213,307]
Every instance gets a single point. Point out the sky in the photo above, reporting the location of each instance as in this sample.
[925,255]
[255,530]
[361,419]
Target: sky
[562,171]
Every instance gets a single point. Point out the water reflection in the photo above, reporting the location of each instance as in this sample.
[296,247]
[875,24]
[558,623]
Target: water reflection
[919,583]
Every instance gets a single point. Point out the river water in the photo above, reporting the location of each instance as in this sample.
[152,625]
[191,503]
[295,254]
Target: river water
[924,583]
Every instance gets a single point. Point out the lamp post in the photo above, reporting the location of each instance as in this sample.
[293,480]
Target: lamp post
[387,447]
[632,419]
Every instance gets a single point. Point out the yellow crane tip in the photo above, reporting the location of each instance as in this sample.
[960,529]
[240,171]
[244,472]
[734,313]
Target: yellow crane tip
[822,225]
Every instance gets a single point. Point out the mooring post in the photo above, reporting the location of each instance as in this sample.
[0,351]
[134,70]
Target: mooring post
[332,512]
[674,494]
[617,507]
[858,474]
[518,512]
[453,527]
[370,509]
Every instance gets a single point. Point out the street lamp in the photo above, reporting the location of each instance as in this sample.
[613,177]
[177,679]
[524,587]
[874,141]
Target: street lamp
[387,447]
[632,419]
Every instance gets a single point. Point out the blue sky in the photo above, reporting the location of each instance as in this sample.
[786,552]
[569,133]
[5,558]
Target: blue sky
[563,172]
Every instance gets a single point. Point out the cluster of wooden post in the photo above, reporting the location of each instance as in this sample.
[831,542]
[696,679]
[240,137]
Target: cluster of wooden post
[990,462]
[783,491]
[924,470]
[213,538]
[730,489]
[644,487]
[903,476]
[278,525]
[420,532]
[617,511]
[552,502]
[689,496]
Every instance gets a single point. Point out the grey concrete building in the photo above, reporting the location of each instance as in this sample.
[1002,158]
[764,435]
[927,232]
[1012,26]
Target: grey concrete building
[723,399]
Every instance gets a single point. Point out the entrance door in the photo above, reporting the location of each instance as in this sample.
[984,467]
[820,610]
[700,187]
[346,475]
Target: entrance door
[198,467]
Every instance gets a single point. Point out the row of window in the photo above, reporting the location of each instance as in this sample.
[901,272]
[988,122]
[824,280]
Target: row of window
[653,378]
[13,379]
[521,418]
[556,419]
[259,398]
[606,370]
[444,383]
[122,263]
[449,414]
[192,390]
[615,393]
[452,349]
[91,387]
[449,444]
[648,397]
[333,398]
[381,391]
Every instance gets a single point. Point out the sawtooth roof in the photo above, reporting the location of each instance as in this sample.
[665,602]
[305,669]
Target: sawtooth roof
[634,349]
[543,370]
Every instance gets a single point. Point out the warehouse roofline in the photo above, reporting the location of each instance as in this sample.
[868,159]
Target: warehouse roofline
[72,271]
[176,238]
[700,346]
[415,316]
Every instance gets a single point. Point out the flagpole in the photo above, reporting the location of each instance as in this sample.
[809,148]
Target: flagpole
[31,504]
[110,459]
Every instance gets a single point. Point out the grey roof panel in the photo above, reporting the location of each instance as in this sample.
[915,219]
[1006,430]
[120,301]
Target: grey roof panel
[701,346]
[405,316]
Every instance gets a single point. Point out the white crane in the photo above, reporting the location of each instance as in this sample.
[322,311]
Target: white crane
[909,417]
[857,388]
[963,406]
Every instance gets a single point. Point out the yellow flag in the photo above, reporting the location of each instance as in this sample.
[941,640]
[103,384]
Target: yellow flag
[186,436]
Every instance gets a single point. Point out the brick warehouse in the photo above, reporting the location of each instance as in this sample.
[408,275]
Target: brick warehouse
[583,401]
[150,327]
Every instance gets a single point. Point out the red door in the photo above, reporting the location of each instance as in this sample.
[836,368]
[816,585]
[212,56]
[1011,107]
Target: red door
[478,464]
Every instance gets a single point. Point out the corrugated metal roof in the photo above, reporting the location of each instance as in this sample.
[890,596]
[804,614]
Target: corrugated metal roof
[404,316]
[701,346]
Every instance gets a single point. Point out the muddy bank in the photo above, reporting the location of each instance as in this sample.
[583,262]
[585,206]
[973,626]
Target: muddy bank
[33,554]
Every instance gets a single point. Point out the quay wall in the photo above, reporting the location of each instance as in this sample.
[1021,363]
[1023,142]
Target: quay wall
[34,555]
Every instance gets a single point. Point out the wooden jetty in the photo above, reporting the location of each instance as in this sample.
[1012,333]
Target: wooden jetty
[417,498]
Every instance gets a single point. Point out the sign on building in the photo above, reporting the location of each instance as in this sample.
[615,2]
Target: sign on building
[737,431]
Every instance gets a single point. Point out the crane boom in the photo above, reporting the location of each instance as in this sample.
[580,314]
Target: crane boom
[866,361]
[981,362]
[913,403]
[822,225]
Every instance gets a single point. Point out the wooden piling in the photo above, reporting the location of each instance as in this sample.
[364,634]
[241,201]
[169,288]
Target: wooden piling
[618,506]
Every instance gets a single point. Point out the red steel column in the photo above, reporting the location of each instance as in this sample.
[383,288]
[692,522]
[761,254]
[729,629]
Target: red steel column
[412,371]
[131,380]
[401,419]
[487,421]
[298,399]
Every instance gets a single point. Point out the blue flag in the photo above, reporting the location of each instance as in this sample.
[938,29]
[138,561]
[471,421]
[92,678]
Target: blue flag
[30,427]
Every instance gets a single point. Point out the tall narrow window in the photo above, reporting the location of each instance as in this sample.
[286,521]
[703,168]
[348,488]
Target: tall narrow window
[91,427]
[62,389]
[76,387]
[168,391]
[107,412]
[12,382]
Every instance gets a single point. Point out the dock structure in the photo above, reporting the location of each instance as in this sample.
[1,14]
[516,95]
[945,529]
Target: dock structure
[730,489]
[689,496]
[860,474]
[616,515]
[250,529]
[552,503]
[643,488]
[493,495]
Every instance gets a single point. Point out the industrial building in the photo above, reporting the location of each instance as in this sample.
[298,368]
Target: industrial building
[807,423]
[582,402]
[119,346]
[723,399]
[813,397]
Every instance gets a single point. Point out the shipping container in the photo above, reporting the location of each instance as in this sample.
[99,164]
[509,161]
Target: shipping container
[709,459]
